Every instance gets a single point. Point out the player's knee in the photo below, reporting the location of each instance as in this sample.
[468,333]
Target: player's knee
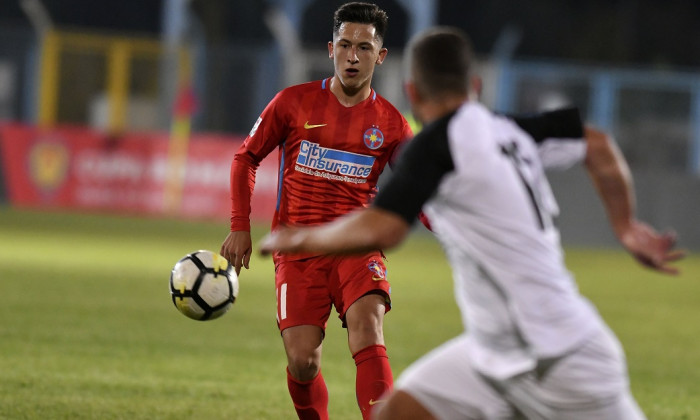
[303,347]
[364,335]
[303,366]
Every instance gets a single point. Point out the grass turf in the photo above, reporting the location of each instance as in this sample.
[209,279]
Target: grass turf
[88,331]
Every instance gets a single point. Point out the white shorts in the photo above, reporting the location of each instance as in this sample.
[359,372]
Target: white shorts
[588,383]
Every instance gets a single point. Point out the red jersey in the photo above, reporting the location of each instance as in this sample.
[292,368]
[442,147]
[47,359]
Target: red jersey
[330,156]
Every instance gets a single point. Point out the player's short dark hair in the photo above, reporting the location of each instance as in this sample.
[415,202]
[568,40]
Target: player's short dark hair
[366,13]
[440,60]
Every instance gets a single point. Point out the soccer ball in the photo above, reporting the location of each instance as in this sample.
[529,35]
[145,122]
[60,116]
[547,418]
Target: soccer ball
[203,285]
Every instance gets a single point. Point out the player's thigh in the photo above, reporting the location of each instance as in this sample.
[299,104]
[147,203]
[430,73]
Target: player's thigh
[304,339]
[364,321]
[445,383]
[302,293]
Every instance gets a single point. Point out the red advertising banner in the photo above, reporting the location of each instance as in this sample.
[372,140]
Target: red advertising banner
[79,168]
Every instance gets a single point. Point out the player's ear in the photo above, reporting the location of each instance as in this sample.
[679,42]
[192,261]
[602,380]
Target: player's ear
[476,85]
[330,49]
[411,91]
[382,55]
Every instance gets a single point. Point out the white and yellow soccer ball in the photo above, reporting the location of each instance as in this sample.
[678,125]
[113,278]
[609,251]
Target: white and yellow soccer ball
[203,285]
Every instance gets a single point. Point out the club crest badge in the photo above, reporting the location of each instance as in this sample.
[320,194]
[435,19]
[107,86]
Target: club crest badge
[49,162]
[378,271]
[374,138]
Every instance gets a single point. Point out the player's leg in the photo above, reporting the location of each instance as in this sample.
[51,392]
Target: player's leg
[305,382]
[303,346]
[444,385]
[364,320]
[366,341]
[362,298]
[302,312]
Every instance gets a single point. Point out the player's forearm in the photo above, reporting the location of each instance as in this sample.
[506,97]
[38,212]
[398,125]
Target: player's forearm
[612,179]
[243,170]
[360,231]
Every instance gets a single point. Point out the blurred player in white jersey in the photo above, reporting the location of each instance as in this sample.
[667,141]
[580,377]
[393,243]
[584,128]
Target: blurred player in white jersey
[533,347]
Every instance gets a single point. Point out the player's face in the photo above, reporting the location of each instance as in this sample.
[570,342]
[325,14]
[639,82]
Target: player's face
[355,51]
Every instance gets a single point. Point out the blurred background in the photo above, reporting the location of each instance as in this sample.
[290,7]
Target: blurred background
[137,106]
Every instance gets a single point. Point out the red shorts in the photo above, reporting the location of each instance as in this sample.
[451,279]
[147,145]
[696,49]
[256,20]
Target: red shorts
[307,288]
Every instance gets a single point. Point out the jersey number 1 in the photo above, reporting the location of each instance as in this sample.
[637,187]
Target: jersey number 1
[521,167]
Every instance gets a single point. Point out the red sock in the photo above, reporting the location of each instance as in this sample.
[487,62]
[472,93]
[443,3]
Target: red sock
[310,398]
[374,377]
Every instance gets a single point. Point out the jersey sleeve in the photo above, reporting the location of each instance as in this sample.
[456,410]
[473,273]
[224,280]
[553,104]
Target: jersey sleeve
[418,172]
[561,154]
[560,123]
[559,136]
[268,133]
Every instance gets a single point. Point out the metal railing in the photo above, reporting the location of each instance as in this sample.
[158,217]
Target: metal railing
[655,115]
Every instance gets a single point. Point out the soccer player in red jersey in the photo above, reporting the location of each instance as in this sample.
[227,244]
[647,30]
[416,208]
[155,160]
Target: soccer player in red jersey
[334,138]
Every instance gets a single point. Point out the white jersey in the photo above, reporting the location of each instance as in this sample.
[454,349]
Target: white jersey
[482,185]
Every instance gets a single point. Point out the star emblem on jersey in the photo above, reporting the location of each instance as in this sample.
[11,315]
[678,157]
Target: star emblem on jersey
[374,138]
[378,272]
[310,126]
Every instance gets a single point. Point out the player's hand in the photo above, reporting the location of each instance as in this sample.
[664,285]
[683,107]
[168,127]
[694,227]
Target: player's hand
[284,239]
[237,248]
[652,249]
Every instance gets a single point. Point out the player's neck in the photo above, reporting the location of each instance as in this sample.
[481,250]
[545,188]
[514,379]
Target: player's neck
[438,108]
[348,96]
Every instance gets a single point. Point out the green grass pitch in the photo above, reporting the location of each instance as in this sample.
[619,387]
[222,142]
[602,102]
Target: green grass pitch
[88,331]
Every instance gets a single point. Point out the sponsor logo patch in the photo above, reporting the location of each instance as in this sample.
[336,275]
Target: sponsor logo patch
[333,164]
